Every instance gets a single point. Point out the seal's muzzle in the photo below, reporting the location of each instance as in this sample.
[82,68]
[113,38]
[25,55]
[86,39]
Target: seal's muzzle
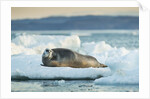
[47,53]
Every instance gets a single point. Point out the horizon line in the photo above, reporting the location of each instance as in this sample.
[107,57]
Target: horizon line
[74,16]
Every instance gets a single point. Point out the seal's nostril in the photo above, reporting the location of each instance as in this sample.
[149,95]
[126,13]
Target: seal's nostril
[47,50]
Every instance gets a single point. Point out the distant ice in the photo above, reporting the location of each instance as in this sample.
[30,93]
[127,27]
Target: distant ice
[36,44]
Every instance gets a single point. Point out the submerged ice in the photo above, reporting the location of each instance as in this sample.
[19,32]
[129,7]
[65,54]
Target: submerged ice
[26,59]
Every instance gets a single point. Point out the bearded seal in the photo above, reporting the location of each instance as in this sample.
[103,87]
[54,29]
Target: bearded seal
[61,57]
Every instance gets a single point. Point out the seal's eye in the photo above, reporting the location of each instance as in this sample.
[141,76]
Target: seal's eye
[47,50]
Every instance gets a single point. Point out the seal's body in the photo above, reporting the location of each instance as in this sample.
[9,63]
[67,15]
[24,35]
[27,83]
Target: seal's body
[61,57]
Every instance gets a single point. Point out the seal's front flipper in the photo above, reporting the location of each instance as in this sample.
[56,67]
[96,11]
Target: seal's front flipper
[44,65]
[41,64]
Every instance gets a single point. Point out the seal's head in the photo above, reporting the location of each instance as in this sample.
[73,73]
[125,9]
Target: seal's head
[47,53]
